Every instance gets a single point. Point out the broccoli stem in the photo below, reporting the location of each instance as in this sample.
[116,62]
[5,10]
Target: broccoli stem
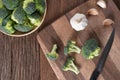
[53,55]
[75,49]
[54,49]
[71,47]
[70,66]
[74,69]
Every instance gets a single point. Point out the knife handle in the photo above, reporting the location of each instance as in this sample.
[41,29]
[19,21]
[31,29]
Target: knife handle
[95,75]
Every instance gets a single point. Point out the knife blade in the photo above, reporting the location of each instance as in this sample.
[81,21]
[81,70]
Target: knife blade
[103,57]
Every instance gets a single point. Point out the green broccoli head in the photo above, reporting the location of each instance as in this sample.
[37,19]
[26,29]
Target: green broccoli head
[26,27]
[3,13]
[90,49]
[11,4]
[18,15]
[53,55]
[70,66]
[7,26]
[35,18]
[40,5]
[71,47]
[29,6]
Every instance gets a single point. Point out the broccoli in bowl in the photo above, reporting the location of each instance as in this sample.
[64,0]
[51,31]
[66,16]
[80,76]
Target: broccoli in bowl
[25,16]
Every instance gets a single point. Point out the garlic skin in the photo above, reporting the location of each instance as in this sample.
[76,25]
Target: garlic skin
[79,22]
[93,12]
[102,3]
[108,22]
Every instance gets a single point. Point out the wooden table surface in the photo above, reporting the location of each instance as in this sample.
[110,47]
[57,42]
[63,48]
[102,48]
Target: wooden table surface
[21,58]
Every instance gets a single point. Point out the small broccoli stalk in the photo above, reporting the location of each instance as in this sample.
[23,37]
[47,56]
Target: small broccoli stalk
[53,55]
[71,47]
[70,66]
[90,49]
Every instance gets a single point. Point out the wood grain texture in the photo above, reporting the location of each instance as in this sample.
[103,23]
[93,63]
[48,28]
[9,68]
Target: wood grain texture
[19,57]
[60,32]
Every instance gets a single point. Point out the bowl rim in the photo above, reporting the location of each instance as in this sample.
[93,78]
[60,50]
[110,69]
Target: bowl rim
[25,34]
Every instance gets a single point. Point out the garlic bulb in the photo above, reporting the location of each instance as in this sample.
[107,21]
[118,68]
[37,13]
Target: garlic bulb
[79,22]
[108,22]
[101,3]
[93,11]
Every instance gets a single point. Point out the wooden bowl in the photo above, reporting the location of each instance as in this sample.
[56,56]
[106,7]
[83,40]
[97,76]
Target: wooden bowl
[20,34]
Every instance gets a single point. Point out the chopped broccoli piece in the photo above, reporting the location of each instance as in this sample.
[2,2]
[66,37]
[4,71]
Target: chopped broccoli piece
[3,14]
[40,5]
[5,20]
[29,6]
[8,27]
[90,49]
[18,15]
[26,27]
[71,47]
[53,55]
[70,66]
[11,4]
[35,18]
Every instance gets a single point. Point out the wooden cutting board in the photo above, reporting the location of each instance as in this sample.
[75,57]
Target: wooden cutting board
[60,32]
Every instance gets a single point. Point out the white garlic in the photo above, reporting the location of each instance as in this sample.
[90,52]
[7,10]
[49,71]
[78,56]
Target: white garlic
[92,11]
[79,22]
[101,3]
[108,22]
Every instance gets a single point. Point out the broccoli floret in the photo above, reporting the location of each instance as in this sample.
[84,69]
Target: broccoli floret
[18,15]
[40,5]
[11,4]
[3,14]
[35,18]
[70,66]
[29,6]
[90,49]
[71,47]
[8,27]
[26,27]
[53,55]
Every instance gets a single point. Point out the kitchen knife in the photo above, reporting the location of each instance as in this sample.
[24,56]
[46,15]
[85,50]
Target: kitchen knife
[103,57]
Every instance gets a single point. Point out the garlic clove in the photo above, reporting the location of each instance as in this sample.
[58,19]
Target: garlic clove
[101,3]
[93,12]
[108,22]
[79,22]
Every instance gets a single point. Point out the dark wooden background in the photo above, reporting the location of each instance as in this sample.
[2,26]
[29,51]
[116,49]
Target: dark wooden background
[21,58]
